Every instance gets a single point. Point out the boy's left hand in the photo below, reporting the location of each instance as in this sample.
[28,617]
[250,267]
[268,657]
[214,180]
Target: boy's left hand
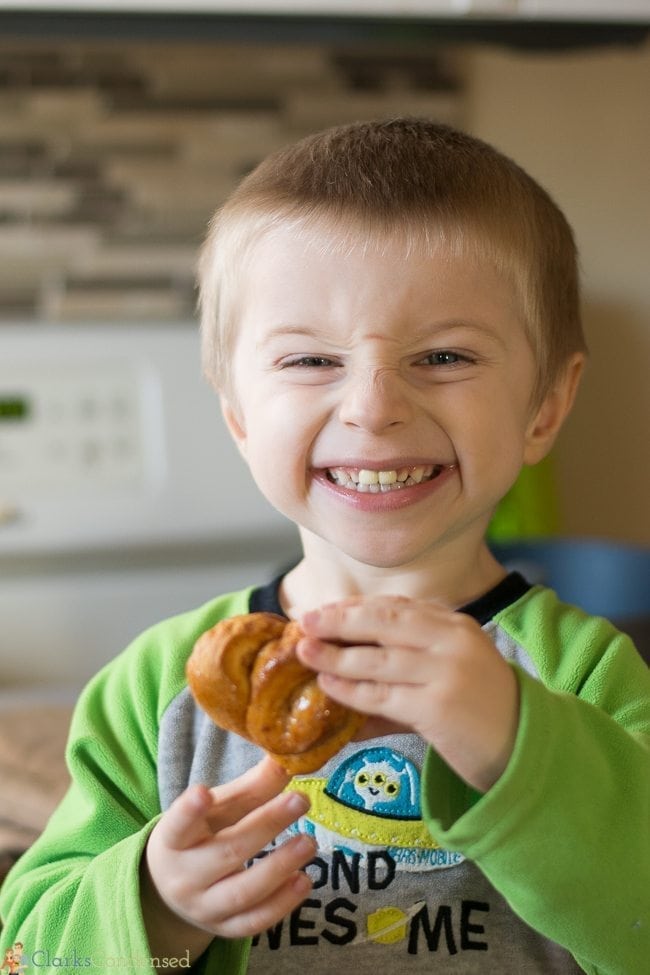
[424,667]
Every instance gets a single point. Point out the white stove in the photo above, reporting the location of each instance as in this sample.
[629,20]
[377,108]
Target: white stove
[122,497]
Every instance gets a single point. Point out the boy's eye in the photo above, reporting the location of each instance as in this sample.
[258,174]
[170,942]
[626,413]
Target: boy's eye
[444,357]
[310,362]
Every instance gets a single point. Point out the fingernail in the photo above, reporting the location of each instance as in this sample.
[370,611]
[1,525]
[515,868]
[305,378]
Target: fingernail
[307,647]
[199,797]
[328,680]
[301,883]
[306,844]
[310,618]
[297,803]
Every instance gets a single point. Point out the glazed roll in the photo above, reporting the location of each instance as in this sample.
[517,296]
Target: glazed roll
[244,673]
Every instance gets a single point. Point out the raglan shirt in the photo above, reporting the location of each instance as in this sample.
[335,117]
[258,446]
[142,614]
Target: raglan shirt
[548,872]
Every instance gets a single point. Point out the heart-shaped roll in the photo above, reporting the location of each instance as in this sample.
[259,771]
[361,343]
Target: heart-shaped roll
[246,676]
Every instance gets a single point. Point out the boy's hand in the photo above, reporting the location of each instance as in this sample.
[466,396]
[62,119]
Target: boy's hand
[423,666]
[196,883]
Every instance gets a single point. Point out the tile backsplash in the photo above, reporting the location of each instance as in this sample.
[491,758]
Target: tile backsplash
[113,155]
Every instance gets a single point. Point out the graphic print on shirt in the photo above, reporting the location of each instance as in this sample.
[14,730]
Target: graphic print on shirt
[371,802]
[373,849]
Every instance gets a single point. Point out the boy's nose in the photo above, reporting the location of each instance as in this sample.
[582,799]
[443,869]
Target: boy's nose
[374,401]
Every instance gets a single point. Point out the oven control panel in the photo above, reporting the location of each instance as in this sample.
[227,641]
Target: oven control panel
[110,438]
[76,429]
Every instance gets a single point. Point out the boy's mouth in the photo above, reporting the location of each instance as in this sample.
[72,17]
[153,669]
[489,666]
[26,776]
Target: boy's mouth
[365,481]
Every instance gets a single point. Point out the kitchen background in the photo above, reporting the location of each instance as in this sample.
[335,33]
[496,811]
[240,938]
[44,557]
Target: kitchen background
[113,154]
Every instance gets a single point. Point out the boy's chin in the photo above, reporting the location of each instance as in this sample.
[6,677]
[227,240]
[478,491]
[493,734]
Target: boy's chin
[381,550]
[386,554]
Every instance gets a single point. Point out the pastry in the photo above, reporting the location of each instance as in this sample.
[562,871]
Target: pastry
[244,673]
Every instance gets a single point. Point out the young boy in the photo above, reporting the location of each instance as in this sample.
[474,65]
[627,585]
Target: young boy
[390,318]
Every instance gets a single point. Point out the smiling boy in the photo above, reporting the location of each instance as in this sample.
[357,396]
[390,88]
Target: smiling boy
[350,364]
[390,317]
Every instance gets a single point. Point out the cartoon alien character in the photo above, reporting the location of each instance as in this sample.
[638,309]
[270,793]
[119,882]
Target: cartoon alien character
[378,781]
[371,802]
[377,785]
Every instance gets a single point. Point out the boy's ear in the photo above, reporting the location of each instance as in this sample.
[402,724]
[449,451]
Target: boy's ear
[235,424]
[547,420]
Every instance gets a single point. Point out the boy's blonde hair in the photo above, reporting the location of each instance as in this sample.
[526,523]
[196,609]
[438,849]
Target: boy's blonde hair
[425,183]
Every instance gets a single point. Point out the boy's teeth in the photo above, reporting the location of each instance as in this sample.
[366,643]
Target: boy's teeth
[387,477]
[367,481]
[368,477]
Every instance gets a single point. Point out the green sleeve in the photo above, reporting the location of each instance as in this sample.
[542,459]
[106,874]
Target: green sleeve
[75,892]
[564,833]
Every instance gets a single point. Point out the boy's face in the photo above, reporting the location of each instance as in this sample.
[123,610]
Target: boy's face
[395,367]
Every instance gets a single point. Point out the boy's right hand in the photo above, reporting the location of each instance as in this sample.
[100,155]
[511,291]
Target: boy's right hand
[195,876]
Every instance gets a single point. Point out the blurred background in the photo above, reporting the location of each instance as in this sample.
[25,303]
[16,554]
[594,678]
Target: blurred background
[122,127]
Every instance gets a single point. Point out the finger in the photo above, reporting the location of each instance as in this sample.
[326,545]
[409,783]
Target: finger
[241,893]
[228,851]
[237,844]
[389,619]
[267,913]
[195,815]
[235,799]
[186,821]
[391,701]
[385,663]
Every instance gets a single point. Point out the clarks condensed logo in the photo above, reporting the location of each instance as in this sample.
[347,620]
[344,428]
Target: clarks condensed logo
[14,960]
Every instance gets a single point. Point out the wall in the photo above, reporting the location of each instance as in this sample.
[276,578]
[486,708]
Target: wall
[114,154]
[579,123]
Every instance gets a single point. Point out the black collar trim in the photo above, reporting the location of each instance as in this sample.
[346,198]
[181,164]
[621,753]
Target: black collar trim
[266,599]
